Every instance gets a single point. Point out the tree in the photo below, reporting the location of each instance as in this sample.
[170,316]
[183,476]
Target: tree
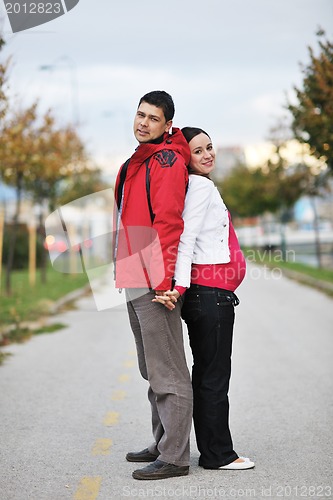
[3,81]
[35,157]
[290,178]
[17,155]
[82,183]
[248,193]
[60,154]
[62,161]
[3,108]
[272,187]
[313,178]
[313,112]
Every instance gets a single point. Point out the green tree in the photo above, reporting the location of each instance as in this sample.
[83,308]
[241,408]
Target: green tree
[272,187]
[313,112]
[248,193]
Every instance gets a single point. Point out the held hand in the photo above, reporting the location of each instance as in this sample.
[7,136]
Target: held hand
[161,297]
[173,294]
[168,298]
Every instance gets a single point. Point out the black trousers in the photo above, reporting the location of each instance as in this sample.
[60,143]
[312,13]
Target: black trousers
[209,315]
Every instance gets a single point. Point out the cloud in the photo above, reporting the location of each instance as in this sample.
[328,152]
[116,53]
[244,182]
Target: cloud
[271,103]
[227,64]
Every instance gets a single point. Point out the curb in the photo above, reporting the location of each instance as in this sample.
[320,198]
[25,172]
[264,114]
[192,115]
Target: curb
[323,286]
[70,297]
[56,306]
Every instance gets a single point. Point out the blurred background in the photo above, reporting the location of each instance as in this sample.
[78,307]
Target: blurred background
[257,75]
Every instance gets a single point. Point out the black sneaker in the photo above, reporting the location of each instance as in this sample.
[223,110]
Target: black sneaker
[141,456]
[160,470]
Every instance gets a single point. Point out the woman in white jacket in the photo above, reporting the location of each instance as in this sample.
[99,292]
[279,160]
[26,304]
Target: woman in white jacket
[210,266]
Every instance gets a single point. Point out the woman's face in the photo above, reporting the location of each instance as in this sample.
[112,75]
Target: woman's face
[202,154]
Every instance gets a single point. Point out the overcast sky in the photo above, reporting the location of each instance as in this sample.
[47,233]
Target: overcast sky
[227,63]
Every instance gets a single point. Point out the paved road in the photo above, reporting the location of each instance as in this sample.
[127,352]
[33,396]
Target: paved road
[72,404]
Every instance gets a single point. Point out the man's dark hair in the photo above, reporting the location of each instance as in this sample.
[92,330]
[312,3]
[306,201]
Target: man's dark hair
[190,132]
[160,99]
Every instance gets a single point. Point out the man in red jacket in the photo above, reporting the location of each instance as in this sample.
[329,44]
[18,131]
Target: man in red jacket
[150,193]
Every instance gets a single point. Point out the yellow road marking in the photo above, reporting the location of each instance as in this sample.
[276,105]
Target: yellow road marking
[124,378]
[102,447]
[118,395]
[88,488]
[111,418]
[129,364]
[132,353]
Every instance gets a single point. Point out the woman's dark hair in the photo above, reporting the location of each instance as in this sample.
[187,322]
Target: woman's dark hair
[190,132]
[160,99]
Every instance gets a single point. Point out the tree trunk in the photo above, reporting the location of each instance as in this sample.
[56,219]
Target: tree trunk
[316,231]
[43,260]
[283,219]
[12,241]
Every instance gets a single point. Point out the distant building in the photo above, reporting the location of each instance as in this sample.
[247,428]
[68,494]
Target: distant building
[293,152]
[226,159]
[6,193]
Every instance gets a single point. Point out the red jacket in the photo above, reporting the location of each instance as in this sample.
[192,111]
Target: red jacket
[146,250]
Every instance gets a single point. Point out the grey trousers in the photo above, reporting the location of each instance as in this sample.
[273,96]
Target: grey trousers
[160,349]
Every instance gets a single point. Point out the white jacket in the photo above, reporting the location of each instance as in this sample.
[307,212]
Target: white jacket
[205,238]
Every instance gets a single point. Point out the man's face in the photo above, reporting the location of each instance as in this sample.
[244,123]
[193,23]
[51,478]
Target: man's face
[150,123]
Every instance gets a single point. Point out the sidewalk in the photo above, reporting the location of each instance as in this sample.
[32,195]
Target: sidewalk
[73,403]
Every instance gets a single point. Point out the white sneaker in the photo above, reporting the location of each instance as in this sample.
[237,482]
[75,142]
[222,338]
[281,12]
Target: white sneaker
[246,464]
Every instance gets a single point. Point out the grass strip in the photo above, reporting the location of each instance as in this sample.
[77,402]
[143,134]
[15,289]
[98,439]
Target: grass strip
[29,303]
[274,259]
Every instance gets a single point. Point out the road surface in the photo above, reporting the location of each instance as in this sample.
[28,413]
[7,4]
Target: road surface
[72,404]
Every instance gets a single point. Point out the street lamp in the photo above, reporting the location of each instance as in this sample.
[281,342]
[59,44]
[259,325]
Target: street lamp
[71,66]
